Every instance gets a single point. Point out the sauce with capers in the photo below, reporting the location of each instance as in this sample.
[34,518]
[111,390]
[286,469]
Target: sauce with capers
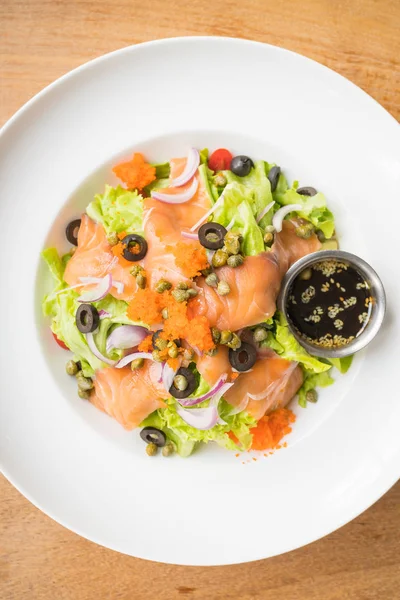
[329,304]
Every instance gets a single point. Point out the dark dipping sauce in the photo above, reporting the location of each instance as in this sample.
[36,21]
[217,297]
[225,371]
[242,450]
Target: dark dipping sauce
[329,304]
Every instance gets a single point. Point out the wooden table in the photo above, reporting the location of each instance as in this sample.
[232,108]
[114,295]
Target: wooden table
[42,40]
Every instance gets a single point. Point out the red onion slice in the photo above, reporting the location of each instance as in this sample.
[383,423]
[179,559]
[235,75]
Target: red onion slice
[119,285]
[126,336]
[155,372]
[192,164]
[280,214]
[103,314]
[168,375]
[190,236]
[100,291]
[264,211]
[179,198]
[230,224]
[96,351]
[209,394]
[147,217]
[199,418]
[212,209]
[130,357]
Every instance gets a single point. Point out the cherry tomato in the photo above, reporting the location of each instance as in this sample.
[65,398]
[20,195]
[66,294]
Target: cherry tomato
[220,160]
[59,342]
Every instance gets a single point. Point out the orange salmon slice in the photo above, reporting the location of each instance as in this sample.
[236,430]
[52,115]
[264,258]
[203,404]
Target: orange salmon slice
[129,396]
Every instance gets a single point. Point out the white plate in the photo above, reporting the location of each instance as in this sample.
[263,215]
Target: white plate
[78,465]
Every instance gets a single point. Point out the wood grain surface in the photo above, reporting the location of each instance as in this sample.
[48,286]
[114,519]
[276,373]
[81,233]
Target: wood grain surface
[41,40]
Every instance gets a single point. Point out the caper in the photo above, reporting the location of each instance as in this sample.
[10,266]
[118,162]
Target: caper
[270,229]
[164,313]
[220,180]
[180,382]
[168,449]
[151,449]
[141,280]
[216,335]
[182,285]
[136,270]
[232,242]
[235,260]
[173,350]
[191,293]
[137,364]
[84,394]
[220,258]
[211,352]
[212,280]
[206,272]
[156,356]
[163,285]
[305,231]
[112,238]
[306,274]
[188,354]
[311,396]
[260,334]
[160,343]
[235,342]
[320,235]
[84,383]
[180,295]
[268,238]
[71,367]
[225,336]
[223,288]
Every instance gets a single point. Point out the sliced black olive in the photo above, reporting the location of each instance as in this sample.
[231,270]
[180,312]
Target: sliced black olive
[241,165]
[135,247]
[211,235]
[151,435]
[244,358]
[307,191]
[273,177]
[72,230]
[87,318]
[191,384]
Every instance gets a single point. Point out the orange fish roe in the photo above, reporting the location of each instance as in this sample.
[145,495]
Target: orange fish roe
[190,257]
[146,345]
[271,429]
[136,173]
[198,333]
[174,363]
[146,306]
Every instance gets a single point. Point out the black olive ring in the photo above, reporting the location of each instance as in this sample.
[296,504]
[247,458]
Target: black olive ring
[243,358]
[134,240]
[307,191]
[87,318]
[151,435]
[192,384]
[72,230]
[216,230]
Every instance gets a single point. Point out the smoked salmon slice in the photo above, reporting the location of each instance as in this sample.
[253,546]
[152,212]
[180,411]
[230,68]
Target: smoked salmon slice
[212,367]
[270,384]
[94,258]
[164,224]
[254,286]
[129,396]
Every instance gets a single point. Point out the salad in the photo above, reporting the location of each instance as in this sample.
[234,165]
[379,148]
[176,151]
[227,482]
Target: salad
[167,300]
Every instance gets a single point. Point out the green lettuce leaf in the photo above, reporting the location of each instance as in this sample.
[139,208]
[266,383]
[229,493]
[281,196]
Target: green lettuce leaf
[237,205]
[206,178]
[259,189]
[311,381]
[204,156]
[342,364]
[187,438]
[62,307]
[162,170]
[117,210]
[286,345]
